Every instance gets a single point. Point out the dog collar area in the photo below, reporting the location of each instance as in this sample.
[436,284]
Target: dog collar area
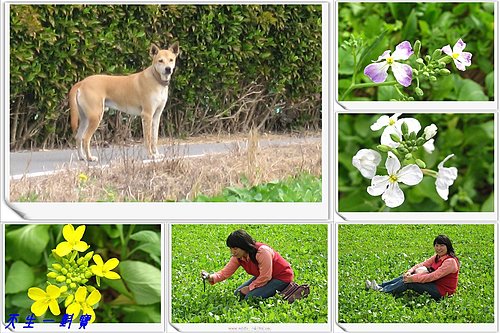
[160,81]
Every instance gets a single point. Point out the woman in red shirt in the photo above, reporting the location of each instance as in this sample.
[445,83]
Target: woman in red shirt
[270,271]
[441,281]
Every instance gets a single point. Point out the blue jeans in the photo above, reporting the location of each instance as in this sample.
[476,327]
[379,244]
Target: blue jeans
[397,286]
[266,291]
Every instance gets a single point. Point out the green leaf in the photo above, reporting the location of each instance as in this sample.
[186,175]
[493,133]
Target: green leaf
[149,242]
[410,28]
[470,91]
[143,280]
[490,82]
[369,50]
[19,278]
[28,243]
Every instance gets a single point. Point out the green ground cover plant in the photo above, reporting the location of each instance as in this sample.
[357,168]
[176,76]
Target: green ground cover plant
[427,67]
[130,293]
[382,251]
[302,188]
[203,247]
[469,137]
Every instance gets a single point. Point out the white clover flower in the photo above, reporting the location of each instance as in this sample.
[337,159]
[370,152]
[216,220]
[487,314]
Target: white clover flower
[445,178]
[388,186]
[392,125]
[367,161]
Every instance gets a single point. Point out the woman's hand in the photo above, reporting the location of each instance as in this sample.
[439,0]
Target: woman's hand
[407,279]
[206,276]
[245,290]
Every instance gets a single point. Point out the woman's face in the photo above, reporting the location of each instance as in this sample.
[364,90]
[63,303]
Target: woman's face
[441,249]
[237,252]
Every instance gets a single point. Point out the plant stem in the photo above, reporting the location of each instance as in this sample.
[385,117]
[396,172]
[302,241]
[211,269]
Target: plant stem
[382,208]
[366,85]
[430,172]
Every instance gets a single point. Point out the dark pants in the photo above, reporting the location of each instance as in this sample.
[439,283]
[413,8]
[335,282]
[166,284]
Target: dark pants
[397,286]
[266,291]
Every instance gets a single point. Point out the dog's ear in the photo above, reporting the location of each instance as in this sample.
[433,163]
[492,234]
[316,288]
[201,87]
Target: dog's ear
[174,48]
[153,50]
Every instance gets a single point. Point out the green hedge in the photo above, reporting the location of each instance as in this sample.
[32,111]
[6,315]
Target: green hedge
[241,66]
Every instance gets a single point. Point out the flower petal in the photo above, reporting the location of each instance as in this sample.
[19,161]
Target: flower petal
[393,196]
[97,270]
[430,131]
[385,55]
[380,123]
[465,58]
[81,246]
[440,165]
[447,50]
[98,260]
[94,297]
[459,65]
[63,249]
[392,164]
[459,46]
[110,264]
[80,294]
[379,185]
[36,293]
[77,236]
[74,309]
[54,307]
[112,275]
[429,146]
[403,73]
[377,72]
[89,311]
[412,123]
[410,175]
[68,232]
[403,51]
[386,139]
[39,308]
[53,291]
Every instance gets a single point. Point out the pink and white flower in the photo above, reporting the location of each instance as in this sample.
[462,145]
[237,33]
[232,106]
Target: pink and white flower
[460,58]
[377,72]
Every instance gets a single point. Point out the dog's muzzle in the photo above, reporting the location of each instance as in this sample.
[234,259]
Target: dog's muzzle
[168,70]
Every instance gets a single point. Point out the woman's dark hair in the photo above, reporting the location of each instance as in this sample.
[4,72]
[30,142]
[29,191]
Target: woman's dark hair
[241,239]
[444,240]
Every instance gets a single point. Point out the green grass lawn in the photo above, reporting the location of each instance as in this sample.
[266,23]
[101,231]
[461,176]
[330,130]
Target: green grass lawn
[200,246]
[382,251]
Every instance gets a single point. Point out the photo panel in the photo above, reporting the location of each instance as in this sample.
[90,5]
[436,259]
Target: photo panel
[209,292]
[416,277]
[98,277]
[244,96]
[439,165]
[393,54]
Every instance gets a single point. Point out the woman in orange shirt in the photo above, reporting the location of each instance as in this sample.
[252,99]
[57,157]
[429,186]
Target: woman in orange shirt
[270,271]
[440,281]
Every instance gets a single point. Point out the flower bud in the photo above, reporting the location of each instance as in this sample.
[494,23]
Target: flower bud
[402,150]
[427,58]
[411,98]
[72,285]
[90,289]
[404,127]
[419,91]
[442,64]
[433,78]
[413,136]
[89,255]
[415,72]
[426,74]
[408,156]
[444,71]
[52,275]
[68,281]
[64,271]
[84,281]
[416,47]
[57,267]
[395,137]
[436,53]
[420,141]
[80,260]
[63,289]
[420,61]
[61,278]
[88,274]
[420,163]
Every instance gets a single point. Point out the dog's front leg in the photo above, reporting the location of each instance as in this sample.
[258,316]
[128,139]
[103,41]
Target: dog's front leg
[147,128]
[155,130]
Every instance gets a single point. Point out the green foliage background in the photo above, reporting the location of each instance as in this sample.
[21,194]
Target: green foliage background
[384,251]
[469,136]
[199,247]
[135,298]
[435,24]
[240,65]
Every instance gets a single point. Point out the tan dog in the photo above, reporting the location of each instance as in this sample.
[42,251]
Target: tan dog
[144,93]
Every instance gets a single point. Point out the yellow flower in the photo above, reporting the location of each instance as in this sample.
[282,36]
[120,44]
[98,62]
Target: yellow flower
[83,303]
[45,299]
[73,240]
[104,269]
[82,177]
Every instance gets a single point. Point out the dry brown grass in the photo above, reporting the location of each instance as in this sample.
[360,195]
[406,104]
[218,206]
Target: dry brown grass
[171,180]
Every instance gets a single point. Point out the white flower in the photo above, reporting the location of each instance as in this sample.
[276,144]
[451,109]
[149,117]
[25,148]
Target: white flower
[392,125]
[429,146]
[430,131]
[366,161]
[388,187]
[445,178]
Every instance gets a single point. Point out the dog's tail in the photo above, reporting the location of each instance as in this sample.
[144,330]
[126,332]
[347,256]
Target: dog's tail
[73,106]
